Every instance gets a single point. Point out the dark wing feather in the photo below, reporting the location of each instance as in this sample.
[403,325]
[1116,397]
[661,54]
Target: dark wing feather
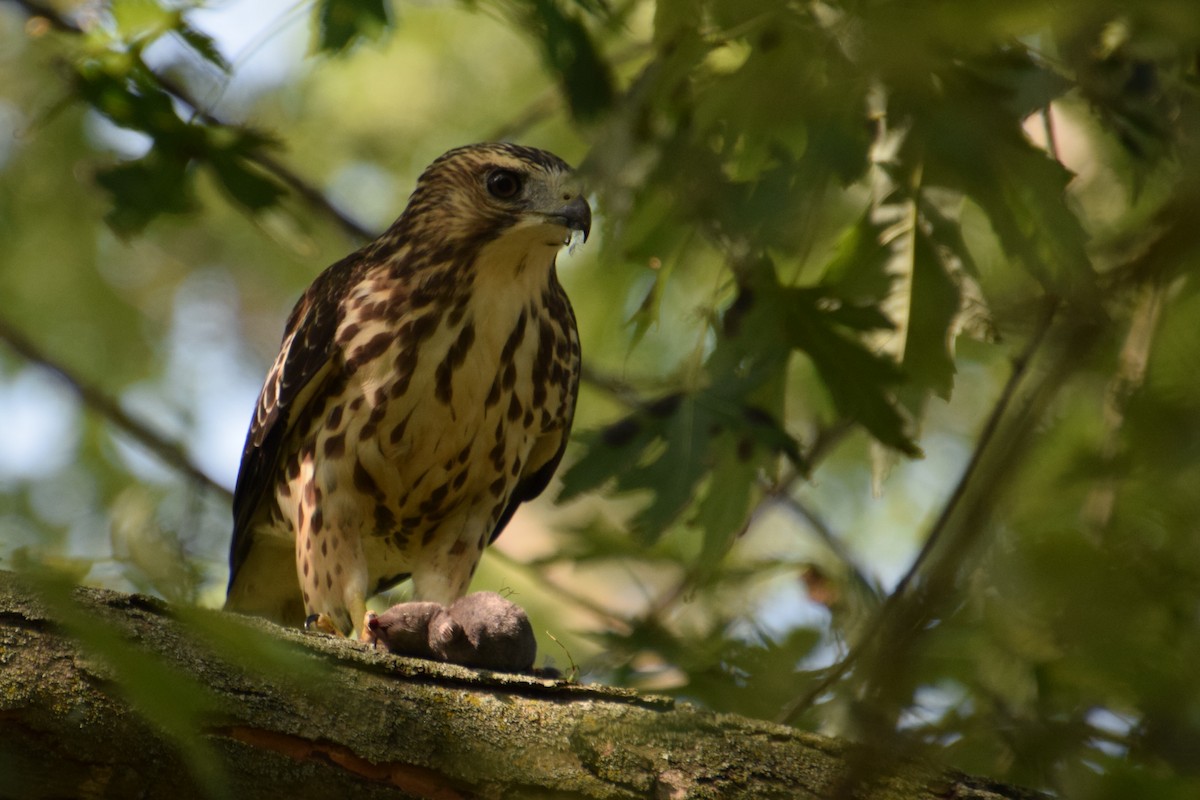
[530,486]
[305,359]
[533,484]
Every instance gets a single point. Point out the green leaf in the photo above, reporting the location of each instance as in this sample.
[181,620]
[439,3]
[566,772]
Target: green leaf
[673,20]
[979,150]
[857,378]
[124,92]
[768,321]
[204,45]
[647,314]
[933,308]
[244,182]
[143,20]
[672,470]
[143,189]
[659,448]
[858,269]
[607,453]
[567,47]
[728,500]
[671,447]
[1011,77]
[342,24]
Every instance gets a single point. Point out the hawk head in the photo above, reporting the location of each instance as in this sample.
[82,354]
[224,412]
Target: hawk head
[483,192]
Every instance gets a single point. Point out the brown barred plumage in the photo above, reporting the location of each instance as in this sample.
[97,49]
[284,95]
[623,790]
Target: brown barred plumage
[424,388]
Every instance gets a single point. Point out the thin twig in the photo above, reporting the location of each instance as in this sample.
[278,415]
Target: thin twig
[56,20]
[621,390]
[832,542]
[99,402]
[903,589]
[571,596]
[307,192]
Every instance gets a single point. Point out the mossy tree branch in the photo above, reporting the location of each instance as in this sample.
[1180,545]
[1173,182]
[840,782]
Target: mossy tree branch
[96,686]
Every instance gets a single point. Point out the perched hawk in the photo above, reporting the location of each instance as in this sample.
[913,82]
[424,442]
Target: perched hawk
[424,389]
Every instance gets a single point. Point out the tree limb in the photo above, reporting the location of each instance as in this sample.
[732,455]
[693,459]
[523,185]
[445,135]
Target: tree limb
[362,723]
[96,400]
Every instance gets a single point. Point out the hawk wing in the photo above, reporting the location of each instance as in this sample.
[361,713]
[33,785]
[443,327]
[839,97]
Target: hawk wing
[538,472]
[305,361]
[531,485]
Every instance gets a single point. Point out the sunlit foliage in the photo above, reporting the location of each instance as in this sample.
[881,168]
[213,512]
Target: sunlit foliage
[890,426]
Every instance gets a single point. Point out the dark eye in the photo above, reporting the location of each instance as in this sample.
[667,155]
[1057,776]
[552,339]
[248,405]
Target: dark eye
[504,183]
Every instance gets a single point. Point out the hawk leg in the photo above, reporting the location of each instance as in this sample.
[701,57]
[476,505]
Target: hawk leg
[333,578]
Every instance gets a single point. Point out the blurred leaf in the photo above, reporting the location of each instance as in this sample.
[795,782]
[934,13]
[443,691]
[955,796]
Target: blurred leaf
[203,44]
[245,183]
[647,314]
[584,74]
[143,189]
[759,117]
[124,91]
[142,20]
[254,651]
[166,697]
[671,446]
[728,499]
[673,20]
[934,305]
[342,24]
[1136,80]
[1014,78]
[858,269]
[984,154]
[924,302]
[858,380]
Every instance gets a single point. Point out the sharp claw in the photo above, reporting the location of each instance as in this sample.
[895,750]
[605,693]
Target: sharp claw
[321,623]
[370,629]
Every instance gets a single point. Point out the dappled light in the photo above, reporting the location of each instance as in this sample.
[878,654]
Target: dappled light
[888,418]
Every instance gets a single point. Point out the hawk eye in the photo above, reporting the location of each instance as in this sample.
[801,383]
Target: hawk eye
[504,183]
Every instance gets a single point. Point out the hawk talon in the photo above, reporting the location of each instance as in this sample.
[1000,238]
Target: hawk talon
[370,629]
[321,624]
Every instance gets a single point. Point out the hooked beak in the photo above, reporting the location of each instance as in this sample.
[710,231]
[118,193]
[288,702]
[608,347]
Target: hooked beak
[575,215]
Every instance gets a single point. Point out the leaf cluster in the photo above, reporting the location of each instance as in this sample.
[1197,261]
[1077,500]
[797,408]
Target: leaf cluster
[942,251]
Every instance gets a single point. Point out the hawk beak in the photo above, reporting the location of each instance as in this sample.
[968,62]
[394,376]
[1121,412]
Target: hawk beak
[575,215]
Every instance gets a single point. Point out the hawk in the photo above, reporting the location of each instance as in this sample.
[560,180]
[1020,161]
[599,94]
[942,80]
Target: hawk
[425,388]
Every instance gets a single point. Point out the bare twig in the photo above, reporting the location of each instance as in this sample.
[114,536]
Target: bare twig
[870,588]
[97,401]
[905,590]
[621,391]
[567,594]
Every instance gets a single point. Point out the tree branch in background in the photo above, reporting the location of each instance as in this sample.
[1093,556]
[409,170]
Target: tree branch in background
[307,192]
[258,710]
[911,599]
[95,400]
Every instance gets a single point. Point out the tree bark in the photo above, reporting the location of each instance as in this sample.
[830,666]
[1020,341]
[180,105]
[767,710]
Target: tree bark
[104,694]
